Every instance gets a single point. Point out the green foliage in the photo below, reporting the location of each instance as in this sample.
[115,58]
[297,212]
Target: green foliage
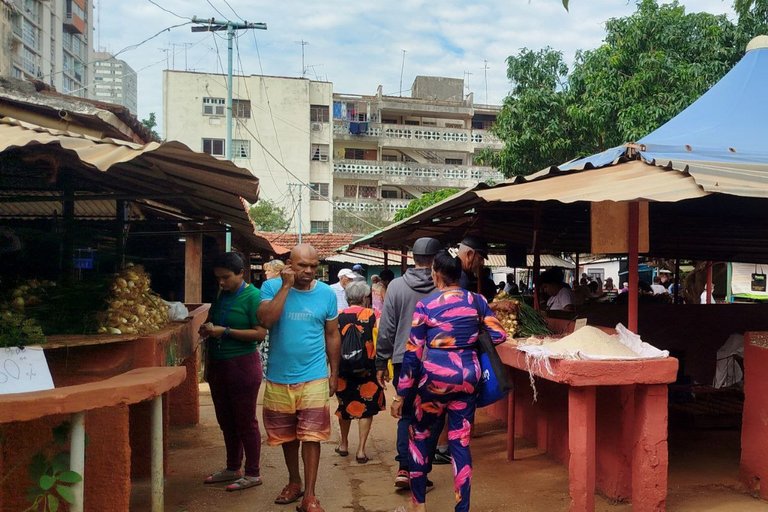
[267,216]
[651,66]
[18,331]
[52,477]
[427,199]
[753,17]
[150,125]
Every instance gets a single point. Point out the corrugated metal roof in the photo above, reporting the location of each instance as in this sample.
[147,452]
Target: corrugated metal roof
[195,183]
[84,209]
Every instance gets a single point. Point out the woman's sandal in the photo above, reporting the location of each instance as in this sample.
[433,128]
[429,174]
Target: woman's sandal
[224,475]
[362,460]
[310,505]
[342,453]
[289,494]
[244,483]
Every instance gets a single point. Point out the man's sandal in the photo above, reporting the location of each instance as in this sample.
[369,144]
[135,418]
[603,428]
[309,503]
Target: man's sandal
[310,505]
[244,483]
[224,475]
[289,494]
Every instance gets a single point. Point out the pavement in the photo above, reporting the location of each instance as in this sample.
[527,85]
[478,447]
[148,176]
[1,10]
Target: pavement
[532,482]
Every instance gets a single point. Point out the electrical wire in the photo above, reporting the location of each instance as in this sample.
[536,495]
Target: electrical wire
[168,10]
[215,9]
[235,12]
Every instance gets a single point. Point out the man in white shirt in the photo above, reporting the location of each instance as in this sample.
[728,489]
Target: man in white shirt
[345,276]
[560,297]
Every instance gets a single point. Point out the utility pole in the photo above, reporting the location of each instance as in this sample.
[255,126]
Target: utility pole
[485,71]
[299,188]
[213,25]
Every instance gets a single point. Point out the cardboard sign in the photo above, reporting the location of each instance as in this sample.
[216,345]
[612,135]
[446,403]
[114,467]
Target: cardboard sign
[23,370]
[580,322]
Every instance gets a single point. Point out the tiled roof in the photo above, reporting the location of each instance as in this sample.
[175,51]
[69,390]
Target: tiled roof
[325,243]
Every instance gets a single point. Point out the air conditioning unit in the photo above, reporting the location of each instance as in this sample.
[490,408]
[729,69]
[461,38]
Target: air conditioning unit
[317,127]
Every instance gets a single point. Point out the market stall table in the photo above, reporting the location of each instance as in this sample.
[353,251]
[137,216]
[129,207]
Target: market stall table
[642,388]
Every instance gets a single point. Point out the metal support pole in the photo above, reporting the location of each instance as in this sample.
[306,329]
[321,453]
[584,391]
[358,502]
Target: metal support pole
[157,455]
[77,459]
[230,36]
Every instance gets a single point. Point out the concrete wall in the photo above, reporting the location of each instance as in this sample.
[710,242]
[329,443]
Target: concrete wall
[279,131]
[437,87]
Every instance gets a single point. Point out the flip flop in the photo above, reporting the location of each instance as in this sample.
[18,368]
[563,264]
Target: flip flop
[342,453]
[224,475]
[244,483]
[289,494]
[362,460]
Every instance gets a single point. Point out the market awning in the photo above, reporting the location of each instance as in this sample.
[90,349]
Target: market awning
[168,174]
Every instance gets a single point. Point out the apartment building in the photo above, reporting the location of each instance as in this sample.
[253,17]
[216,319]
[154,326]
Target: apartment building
[391,149]
[50,41]
[114,81]
[281,131]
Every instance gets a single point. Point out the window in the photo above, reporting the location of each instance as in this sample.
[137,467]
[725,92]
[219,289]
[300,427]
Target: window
[389,194]
[241,148]
[319,191]
[354,154]
[213,147]
[350,190]
[319,226]
[318,113]
[454,125]
[454,161]
[368,192]
[214,106]
[319,152]
[387,120]
[389,158]
[241,108]
[410,122]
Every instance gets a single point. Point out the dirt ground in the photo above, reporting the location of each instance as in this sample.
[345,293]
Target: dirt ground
[703,470]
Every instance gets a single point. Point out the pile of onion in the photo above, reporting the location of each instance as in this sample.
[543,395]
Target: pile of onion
[133,307]
[506,309]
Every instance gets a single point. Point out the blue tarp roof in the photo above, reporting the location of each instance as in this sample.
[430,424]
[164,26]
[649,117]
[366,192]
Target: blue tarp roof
[728,124]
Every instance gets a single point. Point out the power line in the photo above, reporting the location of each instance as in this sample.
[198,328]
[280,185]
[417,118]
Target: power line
[168,10]
[233,11]
[215,9]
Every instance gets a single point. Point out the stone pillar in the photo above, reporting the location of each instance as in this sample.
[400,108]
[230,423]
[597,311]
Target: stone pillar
[650,459]
[581,442]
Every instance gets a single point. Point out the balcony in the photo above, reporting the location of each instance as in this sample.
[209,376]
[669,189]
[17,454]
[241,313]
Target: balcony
[386,207]
[417,137]
[411,173]
[74,23]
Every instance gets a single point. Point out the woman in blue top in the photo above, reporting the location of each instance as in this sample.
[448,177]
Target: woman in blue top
[234,371]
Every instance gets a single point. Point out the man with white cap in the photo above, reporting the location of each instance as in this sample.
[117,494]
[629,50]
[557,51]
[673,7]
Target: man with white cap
[345,276]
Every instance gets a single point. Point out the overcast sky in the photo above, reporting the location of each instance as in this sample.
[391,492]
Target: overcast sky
[357,45]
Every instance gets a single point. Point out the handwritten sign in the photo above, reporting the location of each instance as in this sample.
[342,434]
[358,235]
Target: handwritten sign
[23,370]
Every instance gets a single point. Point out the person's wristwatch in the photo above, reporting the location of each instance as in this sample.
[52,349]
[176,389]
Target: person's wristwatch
[227,330]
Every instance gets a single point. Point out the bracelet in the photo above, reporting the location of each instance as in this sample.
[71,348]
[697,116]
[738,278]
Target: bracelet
[227,330]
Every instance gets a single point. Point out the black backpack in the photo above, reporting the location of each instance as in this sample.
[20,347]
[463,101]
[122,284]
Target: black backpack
[354,357]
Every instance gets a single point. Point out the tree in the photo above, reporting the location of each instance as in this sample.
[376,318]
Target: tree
[150,125]
[425,200]
[652,65]
[267,216]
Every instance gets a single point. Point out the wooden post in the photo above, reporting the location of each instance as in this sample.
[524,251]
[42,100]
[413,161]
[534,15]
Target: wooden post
[403,260]
[634,238]
[677,282]
[193,268]
[121,210]
[511,418]
[536,256]
[577,276]
[709,282]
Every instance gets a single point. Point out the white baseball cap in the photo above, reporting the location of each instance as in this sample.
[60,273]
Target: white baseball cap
[345,272]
